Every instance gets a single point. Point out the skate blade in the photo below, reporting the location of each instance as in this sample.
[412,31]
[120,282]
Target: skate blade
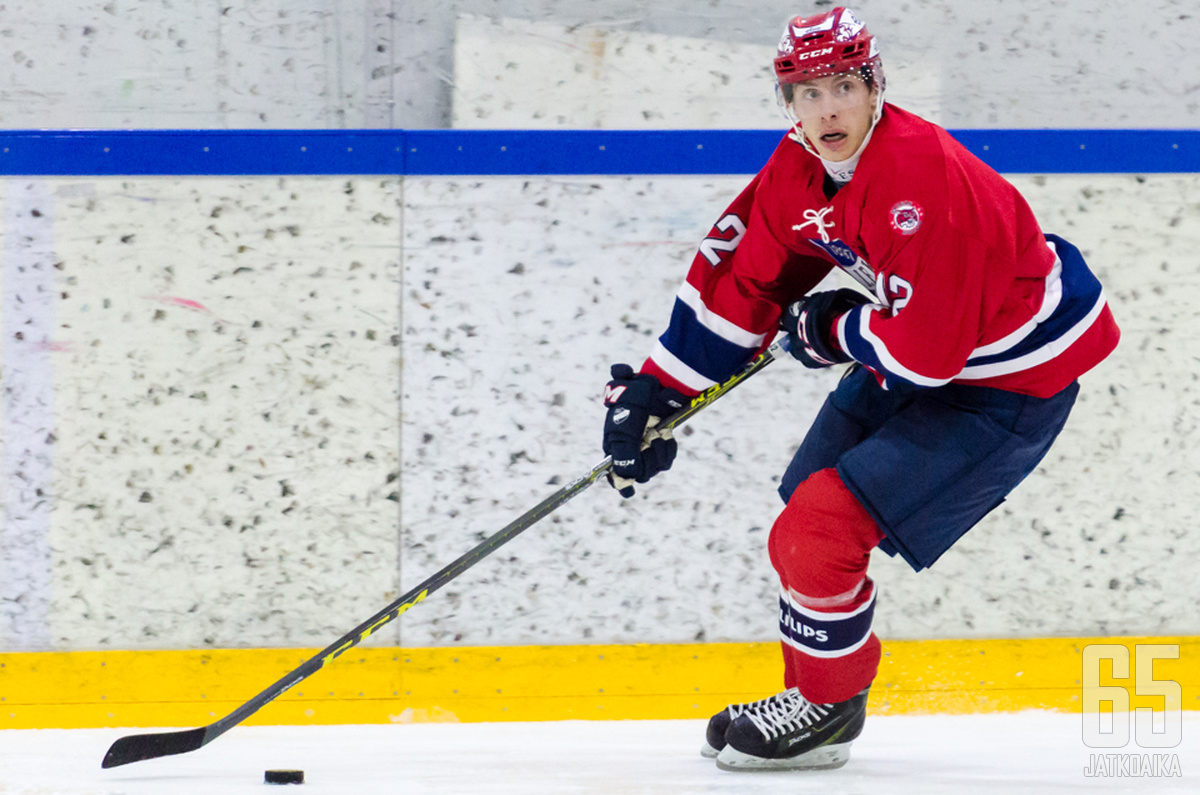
[826,757]
[708,752]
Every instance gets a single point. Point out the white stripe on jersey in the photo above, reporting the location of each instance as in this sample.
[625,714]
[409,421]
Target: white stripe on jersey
[718,325]
[885,356]
[979,372]
[1050,301]
[1041,355]
[674,367]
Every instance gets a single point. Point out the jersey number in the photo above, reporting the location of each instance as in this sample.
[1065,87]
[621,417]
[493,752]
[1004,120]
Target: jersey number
[896,294]
[711,245]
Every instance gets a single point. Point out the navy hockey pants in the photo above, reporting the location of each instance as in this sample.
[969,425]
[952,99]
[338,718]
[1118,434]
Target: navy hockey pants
[908,471]
[927,464]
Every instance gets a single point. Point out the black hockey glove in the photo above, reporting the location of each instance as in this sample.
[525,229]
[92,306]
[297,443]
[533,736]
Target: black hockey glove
[809,326]
[635,405]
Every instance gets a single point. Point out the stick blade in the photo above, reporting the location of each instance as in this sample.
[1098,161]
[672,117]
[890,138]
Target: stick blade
[137,747]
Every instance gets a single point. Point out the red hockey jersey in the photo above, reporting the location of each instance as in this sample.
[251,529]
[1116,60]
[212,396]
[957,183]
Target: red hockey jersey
[968,288]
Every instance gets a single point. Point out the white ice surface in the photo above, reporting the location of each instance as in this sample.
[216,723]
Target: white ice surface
[1031,753]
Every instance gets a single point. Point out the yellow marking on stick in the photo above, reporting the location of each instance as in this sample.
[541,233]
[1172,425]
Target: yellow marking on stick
[366,633]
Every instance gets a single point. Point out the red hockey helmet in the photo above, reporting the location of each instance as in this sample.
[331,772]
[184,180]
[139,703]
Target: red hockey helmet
[826,44]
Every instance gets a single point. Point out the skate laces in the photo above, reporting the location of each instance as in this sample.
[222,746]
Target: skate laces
[754,706]
[792,711]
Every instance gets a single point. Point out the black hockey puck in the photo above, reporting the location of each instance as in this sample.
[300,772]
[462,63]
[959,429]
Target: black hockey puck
[284,777]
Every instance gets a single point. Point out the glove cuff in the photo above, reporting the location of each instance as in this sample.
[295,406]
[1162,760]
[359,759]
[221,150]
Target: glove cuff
[826,345]
[666,401]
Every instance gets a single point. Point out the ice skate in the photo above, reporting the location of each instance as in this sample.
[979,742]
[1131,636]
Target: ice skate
[714,739]
[793,734]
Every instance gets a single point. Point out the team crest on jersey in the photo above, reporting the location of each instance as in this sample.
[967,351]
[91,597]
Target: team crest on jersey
[907,217]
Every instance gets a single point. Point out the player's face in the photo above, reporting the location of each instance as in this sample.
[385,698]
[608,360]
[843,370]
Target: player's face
[835,113]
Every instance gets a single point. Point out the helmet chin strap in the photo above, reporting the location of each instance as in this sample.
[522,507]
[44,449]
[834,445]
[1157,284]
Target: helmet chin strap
[841,170]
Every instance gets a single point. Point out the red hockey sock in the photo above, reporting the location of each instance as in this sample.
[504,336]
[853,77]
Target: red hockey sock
[821,546]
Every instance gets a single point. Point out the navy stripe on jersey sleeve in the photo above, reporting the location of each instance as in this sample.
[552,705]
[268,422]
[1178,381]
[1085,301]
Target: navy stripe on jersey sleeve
[700,348]
[1081,290]
[852,328]
[1081,302]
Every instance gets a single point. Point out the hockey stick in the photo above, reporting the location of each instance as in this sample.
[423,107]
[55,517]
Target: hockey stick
[137,747]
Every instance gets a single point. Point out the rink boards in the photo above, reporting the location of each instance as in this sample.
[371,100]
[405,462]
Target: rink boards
[237,458]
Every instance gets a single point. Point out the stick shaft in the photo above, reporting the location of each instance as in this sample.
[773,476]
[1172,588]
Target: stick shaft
[415,596]
[148,746]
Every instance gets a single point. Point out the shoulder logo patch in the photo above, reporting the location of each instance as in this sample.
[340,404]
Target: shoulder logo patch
[907,217]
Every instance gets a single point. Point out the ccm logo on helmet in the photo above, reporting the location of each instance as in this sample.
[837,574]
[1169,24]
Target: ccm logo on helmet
[814,54]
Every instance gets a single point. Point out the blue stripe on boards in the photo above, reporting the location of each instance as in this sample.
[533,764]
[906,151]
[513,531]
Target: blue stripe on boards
[434,152]
[519,152]
[200,152]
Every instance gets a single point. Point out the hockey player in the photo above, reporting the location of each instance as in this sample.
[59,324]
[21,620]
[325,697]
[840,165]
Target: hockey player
[965,345]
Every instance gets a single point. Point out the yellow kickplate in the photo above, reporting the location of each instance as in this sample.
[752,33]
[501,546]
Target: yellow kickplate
[641,681]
